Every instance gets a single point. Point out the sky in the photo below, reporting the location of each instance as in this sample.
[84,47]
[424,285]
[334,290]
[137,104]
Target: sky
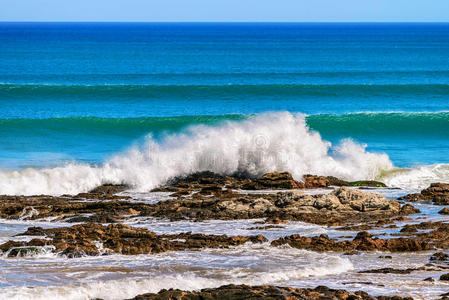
[226,10]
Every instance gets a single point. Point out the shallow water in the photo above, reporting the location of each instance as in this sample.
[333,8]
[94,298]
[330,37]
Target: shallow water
[47,275]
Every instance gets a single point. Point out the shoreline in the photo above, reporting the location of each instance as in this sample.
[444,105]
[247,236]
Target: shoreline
[349,222]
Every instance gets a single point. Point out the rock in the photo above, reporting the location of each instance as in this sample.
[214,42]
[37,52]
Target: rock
[389,271]
[334,181]
[109,189]
[430,279]
[83,239]
[342,206]
[240,292]
[444,211]
[444,277]
[439,256]
[367,183]
[339,207]
[408,209]
[69,209]
[274,181]
[362,201]
[438,193]
[314,182]
[362,242]
[409,228]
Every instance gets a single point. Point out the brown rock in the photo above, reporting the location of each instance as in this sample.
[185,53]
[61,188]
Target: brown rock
[444,211]
[438,193]
[362,242]
[444,277]
[83,239]
[240,292]
[274,181]
[439,256]
[314,182]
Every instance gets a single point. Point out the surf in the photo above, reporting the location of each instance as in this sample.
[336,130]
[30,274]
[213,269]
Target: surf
[256,145]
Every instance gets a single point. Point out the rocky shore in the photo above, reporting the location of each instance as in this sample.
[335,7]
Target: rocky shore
[200,198]
[89,239]
[276,198]
[238,292]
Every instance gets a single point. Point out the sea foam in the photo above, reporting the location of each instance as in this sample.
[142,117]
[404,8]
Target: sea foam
[259,144]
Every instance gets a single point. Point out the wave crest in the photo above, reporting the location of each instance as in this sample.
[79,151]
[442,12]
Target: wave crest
[259,144]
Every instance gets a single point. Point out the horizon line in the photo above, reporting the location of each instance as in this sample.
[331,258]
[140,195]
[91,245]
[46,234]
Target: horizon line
[242,22]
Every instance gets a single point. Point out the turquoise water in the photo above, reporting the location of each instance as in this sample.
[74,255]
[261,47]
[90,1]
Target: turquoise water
[85,93]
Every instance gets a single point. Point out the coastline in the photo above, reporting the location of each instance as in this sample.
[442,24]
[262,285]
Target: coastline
[366,242]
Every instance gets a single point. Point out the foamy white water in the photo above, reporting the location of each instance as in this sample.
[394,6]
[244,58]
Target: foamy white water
[109,277]
[263,143]
[417,178]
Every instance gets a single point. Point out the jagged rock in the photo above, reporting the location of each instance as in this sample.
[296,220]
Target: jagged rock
[362,242]
[438,193]
[69,209]
[314,182]
[334,181]
[439,256]
[109,189]
[241,292]
[390,271]
[444,277]
[83,239]
[444,211]
[274,181]
[408,209]
[367,183]
[342,206]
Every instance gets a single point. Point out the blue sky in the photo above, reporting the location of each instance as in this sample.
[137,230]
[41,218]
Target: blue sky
[226,10]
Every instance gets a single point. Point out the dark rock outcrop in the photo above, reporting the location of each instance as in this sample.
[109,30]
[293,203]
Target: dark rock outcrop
[241,292]
[85,239]
[273,181]
[444,277]
[438,193]
[444,211]
[362,242]
[342,206]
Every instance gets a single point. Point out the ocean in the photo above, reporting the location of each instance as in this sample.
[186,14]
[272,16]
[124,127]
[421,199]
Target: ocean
[79,95]
[85,104]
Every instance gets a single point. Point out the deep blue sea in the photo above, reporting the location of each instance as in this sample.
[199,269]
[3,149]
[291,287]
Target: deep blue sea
[140,103]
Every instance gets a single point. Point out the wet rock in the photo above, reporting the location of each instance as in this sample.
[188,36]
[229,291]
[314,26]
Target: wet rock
[109,189]
[444,211]
[84,239]
[408,209]
[439,256]
[367,183]
[339,207]
[429,279]
[438,193]
[409,228]
[273,181]
[98,210]
[315,182]
[266,227]
[240,292]
[362,242]
[389,271]
[342,206]
[334,181]
[444,277]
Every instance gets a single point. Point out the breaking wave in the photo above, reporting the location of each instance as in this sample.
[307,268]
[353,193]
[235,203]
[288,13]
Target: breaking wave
[255,145]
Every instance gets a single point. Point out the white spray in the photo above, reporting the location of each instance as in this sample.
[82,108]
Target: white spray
[260,144]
